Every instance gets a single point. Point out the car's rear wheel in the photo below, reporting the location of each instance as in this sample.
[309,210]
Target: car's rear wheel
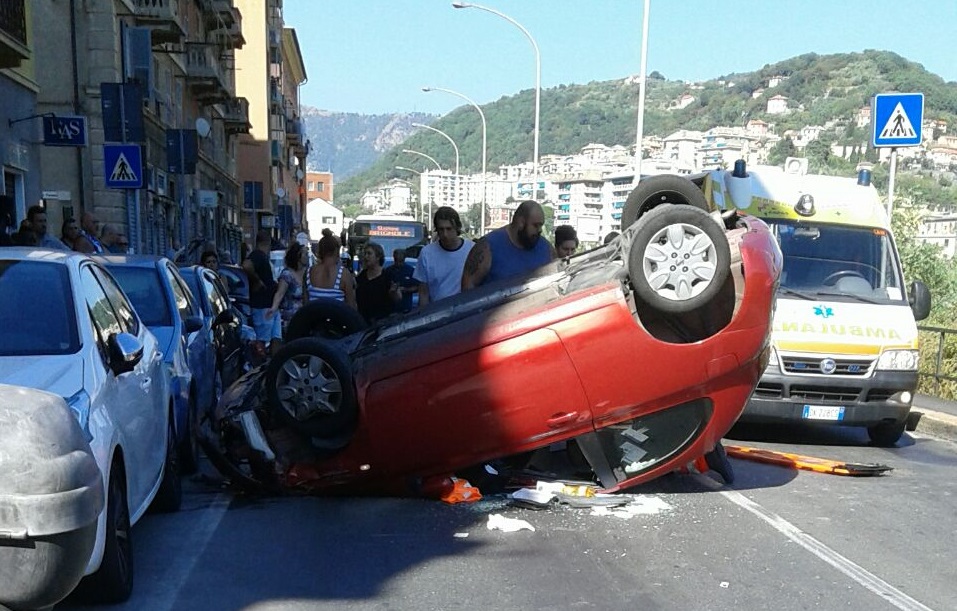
[326,319]
[113,581]
[679,258]
[309,384]
[657,190]
[189,444]
[886,434]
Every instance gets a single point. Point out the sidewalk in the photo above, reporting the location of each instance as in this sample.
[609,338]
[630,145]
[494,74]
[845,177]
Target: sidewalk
[939,416]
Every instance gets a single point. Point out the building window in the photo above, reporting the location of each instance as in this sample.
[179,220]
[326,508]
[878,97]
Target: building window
[320,187]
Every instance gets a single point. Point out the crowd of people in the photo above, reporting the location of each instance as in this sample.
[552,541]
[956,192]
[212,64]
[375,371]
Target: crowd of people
[81,237]
[447,266]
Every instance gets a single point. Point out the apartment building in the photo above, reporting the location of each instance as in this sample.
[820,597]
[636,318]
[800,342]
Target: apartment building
[19,149]
[272,156]
[153,81]
[939,230]
[319,185]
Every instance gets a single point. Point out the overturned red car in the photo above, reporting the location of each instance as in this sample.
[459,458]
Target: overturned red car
[641,353]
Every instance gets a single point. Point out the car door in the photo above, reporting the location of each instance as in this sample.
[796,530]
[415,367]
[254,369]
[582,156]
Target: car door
[227,333]
[200,354]
[120,399]
[154,382]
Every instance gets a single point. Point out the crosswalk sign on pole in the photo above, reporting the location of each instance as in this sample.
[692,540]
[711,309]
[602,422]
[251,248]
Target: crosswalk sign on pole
[896,119]
[123,166]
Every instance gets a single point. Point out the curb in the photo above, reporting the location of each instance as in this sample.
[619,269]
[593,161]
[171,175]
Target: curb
[936,423]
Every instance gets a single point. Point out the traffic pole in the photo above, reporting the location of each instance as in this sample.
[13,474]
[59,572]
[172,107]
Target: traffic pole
[890,183]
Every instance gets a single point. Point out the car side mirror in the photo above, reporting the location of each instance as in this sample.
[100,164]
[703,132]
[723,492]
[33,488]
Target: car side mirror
[919,298]
[126,351]
[226,317]
[192,324]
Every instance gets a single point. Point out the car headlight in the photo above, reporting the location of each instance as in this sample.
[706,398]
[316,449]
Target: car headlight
[899,360]
[80,404]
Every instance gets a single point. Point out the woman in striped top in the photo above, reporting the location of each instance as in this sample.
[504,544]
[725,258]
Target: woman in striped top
[328,278]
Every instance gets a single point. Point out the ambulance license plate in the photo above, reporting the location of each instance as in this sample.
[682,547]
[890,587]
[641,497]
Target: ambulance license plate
[823,412]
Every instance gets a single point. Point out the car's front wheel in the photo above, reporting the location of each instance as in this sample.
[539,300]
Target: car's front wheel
[113,581]
[309,384]
[678,258]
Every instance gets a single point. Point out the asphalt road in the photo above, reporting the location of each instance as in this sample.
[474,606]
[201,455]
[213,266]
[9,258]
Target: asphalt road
[778,539]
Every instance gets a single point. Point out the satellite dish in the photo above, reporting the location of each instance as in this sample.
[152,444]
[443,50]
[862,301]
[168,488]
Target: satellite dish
[300,174]
[202,127]
[280,192]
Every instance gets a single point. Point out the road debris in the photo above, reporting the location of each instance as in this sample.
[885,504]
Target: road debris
[497,521]
[807,463]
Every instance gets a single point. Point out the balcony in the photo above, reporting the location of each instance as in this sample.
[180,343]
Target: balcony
[234,33]
[294,131]
[219,14]
[236,116]
[163,18]
[275,97]
[13,33]
[205,75]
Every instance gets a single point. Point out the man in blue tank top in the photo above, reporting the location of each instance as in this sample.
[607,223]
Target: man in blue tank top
[513,250]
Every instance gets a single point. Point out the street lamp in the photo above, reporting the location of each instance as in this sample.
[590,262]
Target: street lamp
[411,152]
[642,87]
[447,137]
[484,143]
[538,75]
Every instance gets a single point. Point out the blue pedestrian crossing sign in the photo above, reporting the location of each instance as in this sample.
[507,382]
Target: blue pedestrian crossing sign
[896,119]
[123,166]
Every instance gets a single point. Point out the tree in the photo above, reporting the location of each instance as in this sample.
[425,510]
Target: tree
[781,151]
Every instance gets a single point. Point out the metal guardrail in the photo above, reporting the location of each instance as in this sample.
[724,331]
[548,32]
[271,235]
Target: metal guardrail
[939,374]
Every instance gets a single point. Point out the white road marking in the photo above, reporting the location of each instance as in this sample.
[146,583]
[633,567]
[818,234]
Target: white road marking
[166,588]
[870,581]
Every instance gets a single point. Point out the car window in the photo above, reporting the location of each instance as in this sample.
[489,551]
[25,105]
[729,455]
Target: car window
[37,311]
[104,318]
[181,295]
[143,286]
[194,285]
[121,305]
[218,301]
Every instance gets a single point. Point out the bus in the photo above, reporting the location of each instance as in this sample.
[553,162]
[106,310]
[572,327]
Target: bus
[389,231]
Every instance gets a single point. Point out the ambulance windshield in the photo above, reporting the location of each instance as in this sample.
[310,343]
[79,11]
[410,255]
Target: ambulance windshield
[859,262]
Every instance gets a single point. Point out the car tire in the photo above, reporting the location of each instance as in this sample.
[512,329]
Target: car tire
[679,258]
[886,434]
[309,385]
[326,319]
[170,495]
[113,581]
[656,190]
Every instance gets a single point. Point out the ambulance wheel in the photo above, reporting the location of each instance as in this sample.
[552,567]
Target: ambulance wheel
[886,434]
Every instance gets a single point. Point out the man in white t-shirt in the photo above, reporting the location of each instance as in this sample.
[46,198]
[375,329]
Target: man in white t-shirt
[439,270]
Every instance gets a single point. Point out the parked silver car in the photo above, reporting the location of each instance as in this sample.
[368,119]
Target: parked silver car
[66,327]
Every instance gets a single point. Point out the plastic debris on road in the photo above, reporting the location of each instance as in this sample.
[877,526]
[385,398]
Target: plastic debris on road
[461,492]
[638,505]
[497,521]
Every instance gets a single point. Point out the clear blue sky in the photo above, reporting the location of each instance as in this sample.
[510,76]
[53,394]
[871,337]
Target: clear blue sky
[374,56]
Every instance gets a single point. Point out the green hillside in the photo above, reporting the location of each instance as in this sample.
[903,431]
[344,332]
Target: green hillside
[822,88]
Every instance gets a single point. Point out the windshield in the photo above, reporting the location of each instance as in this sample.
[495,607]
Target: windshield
[142,286]
[390,235]
[831,260]
[37,315]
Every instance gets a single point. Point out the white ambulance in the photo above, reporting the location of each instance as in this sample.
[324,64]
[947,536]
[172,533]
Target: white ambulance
[845,334]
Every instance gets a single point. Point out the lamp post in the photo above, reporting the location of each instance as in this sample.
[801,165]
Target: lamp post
[484,144]
[421,154]
[538,76]
[642,86]
[447,137]
[419,174]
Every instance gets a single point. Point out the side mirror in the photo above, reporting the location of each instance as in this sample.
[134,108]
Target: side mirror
[192,324]
[919,298]
[126,351]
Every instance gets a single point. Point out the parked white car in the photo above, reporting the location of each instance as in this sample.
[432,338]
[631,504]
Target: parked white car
[66,327]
